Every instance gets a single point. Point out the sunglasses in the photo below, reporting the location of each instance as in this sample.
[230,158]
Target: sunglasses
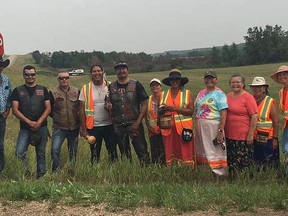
[63,78]
[29,74]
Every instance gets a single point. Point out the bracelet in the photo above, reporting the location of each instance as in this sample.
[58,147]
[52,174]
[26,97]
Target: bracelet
[220,130]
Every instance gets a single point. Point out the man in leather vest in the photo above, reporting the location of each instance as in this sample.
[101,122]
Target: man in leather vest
[31,105]
[128,106]
[66,120]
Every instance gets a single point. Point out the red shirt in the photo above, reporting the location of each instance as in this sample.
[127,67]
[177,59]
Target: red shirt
[240,109]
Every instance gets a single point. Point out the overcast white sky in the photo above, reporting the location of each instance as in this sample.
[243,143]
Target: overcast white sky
[132,25]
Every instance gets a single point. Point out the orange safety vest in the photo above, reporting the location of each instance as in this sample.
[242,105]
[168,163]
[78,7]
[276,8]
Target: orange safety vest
[182,100]
[89,106]
[264,121]
[283,105]
[151,119]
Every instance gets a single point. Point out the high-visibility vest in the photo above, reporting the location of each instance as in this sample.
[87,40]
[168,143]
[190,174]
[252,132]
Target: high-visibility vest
[89,106]
[151,119]
[264,121]
[283,105]
[182,100]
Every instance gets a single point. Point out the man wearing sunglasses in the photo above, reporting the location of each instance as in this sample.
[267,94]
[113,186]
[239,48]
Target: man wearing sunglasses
[66,121]
[31,105]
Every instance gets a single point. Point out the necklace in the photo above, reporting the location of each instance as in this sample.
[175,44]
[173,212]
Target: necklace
[99,89]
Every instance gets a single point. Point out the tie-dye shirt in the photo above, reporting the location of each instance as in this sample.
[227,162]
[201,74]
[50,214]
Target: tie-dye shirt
[209,104]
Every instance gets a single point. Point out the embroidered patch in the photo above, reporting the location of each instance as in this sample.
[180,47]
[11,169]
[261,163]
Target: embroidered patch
[39,92]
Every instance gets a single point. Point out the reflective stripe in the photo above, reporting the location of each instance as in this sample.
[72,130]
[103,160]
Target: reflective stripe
[263,121]
[264,125]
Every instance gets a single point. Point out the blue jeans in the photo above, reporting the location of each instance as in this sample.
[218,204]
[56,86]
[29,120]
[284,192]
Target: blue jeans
[58,137]
[22,148]
[2,134]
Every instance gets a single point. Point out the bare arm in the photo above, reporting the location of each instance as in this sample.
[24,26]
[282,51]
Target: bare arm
[275,122]
[220,133]
[83,119]
[143,110]
[252,127]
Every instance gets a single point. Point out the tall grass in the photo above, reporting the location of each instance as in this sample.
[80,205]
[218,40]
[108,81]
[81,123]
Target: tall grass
[128,185]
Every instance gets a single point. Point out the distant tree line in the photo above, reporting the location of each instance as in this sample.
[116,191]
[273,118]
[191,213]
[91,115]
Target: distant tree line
[266,45]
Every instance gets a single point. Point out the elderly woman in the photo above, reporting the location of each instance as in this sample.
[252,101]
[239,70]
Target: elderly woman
[240,125]
[176,110]
[154,132]
[266,148]
[211,110]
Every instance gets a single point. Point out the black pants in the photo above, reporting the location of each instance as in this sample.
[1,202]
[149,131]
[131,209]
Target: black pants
[100,133]
[157,149]
[139,143]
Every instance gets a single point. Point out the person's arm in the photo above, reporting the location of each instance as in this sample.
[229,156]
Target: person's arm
[83,119]
[275,122]
[220,132]
[143,110]
[20,116]
[252,127]
[188,111]
[45,114]
[9,101]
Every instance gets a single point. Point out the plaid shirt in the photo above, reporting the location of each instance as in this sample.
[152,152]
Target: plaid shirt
[5,93]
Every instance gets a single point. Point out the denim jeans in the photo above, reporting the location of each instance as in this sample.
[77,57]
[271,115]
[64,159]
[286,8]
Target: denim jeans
[22,148]
[106,133]
[139,143]
[2,134]
[58,137]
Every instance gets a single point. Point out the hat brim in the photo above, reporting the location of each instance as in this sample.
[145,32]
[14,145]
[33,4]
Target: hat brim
[167,80]
[251,85]
[274,76]
[5,63]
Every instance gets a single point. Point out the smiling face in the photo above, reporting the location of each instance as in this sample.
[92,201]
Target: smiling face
[155,88]
[258,91]
[210,82]
[175,83]
[122,73]
[283,78]
[29,76]
[97,75]
[236,84]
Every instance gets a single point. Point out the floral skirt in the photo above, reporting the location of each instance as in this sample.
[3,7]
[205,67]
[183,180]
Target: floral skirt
[239,154]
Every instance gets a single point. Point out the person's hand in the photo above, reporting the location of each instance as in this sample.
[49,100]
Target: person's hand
[249,139]
[170,108]
[6,113]
[108,106]
[83,132]
[220,137]
[275,143]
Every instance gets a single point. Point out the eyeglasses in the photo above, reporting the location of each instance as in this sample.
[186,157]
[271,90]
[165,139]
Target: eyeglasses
[63,78]
[29,74]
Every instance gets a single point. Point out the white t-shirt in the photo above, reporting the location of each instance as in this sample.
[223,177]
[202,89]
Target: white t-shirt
[101,116]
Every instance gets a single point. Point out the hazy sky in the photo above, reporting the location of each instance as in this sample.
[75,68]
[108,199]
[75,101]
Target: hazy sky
[132,25]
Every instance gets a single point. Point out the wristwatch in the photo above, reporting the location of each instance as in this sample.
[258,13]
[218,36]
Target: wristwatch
[220,130]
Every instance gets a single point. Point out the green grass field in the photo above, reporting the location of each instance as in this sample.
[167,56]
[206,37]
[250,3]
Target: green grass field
[127,185]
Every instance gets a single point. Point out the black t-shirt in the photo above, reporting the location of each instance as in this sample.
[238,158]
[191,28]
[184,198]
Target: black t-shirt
[140,91]
[31,91]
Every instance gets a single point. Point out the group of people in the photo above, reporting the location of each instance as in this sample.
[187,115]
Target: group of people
[232,132]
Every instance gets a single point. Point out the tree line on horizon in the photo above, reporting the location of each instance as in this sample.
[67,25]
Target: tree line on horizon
[262,45]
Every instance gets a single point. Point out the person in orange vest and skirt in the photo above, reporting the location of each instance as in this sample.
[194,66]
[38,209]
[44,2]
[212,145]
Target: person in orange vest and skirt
[266,145]
[154,132]
[176,110]
[281,76]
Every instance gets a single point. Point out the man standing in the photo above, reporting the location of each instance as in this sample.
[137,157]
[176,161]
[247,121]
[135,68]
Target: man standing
[129,105]
[5,104]
[95,120]
[66,121]
[31,105]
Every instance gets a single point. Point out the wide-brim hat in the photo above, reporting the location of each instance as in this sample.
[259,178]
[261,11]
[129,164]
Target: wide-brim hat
[175,74]
[258,81]
[5,63]
[283,68]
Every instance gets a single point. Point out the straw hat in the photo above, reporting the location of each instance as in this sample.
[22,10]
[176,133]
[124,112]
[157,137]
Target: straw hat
[283,68]
[258,81]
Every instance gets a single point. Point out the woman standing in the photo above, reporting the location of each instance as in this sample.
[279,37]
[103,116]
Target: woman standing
[211,110]
[266,148]
[177,105]
[154,132]
[240,125]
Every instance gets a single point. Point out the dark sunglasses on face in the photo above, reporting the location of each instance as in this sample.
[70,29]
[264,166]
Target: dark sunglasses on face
[29,74]
[63,78]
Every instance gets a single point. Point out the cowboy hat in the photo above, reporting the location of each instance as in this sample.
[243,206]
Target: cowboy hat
[258,81]
[5,63]
[283,68]
[175,74]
